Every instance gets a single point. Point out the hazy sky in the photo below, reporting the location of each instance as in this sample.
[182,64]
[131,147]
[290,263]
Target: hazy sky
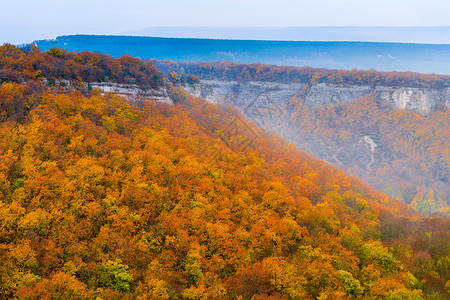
[36,19]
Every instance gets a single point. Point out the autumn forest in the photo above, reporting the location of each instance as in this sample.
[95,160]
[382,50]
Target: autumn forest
[106,198]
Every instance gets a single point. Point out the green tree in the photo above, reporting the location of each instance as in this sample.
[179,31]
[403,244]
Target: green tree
[115,276]
[351,285]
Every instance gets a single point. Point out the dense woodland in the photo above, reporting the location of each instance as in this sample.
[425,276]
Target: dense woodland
[101,198]
[225,70]
[29,63]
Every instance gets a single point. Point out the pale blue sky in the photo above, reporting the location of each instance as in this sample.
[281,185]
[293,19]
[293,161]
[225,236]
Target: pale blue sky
[36,19]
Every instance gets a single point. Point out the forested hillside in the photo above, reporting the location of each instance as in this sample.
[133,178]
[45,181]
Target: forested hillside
[29,63]
[101,198]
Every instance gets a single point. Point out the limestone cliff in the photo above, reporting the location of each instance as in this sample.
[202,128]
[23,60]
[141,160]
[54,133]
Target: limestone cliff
[243,92]
[416,99]
[132,90]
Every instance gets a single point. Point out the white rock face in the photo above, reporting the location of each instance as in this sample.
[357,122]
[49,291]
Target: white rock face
[371,145]
[324,93]
[243,92]
[416,99]
[446,96]
[131,90]
[420,100]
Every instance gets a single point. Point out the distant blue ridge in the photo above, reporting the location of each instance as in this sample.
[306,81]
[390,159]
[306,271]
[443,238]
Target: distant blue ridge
[422,58]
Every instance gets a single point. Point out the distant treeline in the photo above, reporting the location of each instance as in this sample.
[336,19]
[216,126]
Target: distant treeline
[29,63]
[423,58]
[225,70]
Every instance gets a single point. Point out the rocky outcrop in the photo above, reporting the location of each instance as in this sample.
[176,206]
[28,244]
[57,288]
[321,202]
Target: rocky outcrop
[131,90]
[417,99]
[242,93]
[324,93]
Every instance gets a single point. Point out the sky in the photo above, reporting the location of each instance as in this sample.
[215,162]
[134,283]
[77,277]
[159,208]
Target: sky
[28,20]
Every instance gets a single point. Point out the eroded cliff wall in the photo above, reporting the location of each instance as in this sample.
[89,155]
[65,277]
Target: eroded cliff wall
[417,99]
